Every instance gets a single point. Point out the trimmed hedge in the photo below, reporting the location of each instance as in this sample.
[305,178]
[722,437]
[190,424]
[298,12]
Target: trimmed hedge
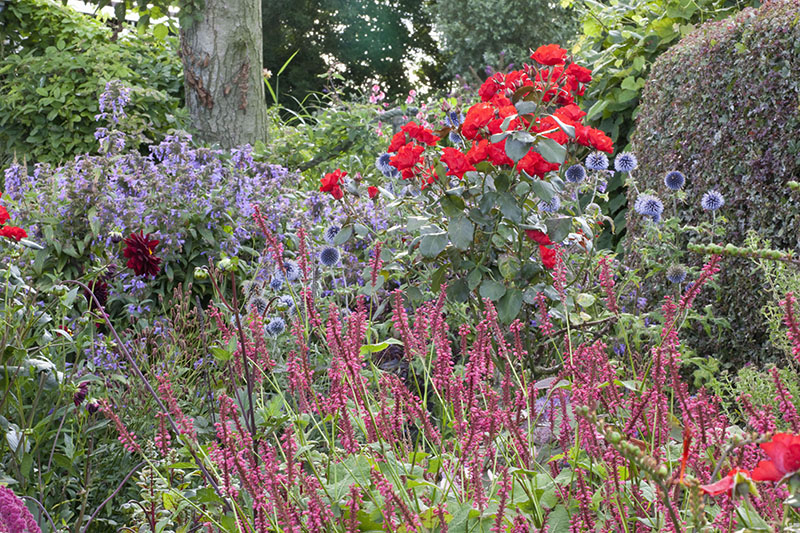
[722,106]
[55,62]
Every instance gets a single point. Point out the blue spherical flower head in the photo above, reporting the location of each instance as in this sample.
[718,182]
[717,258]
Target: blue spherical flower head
[455,138]
[625,162]
[674,180]
[453,119]
[292,270]
[276,282]
[382,164]
[287,302]
[552,206]
[676,273]
[258,303]
[712,200]
[597,161]
[331,233]
[329,256]
[649,206]
[575,174]
[276,326]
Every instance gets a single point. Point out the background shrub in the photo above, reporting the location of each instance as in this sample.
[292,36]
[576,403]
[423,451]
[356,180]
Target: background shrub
[721,106]
[54,62]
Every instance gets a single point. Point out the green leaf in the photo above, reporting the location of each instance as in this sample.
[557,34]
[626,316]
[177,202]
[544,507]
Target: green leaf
[458,291]
[509,208]
[509,306]
[437,278]
[474,279]
[461,231]
[516,149]
[551,151]
[372,348]
[585,300]
[494,290]
[544,190]
[558,228]
[433,244]
[343,236]
[567,128]
[160,31]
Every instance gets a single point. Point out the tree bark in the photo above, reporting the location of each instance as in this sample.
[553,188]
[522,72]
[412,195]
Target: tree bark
[222,62]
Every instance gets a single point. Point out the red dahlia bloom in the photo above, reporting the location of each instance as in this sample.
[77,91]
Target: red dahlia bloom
[728,483]
[784,458]
[457,163]
[372,191]
[549,54]
[600,141]
[13,232]
[330,183]
[535,165]
[139,251]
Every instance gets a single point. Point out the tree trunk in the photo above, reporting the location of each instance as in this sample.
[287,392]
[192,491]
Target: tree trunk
[222,62]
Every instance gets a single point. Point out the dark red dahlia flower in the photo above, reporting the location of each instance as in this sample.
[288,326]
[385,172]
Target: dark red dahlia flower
[100,290]
[139,251]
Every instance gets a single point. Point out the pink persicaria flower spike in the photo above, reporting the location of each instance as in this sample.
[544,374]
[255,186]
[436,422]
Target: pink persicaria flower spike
[784,458]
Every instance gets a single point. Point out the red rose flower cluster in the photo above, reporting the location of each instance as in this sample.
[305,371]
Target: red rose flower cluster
[330,183]
[549,255]
[11,232]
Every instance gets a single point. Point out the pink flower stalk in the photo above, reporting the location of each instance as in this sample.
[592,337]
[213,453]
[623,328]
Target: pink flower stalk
[607,282]
[784,401]
[14,515]
[272,245]
[400,321]
[318,515]
[162,439]
[790,319]
[127,438]
[376,263]
[709,269]
[353,505]
[185,425]
[560,274]
[583,520]
[503,492]
[302,254]
[521,525]
[545,325]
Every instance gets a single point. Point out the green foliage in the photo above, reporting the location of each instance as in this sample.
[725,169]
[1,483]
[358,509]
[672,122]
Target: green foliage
[365,41]
[620,41]
[721,107]
[485,32]
[55,62]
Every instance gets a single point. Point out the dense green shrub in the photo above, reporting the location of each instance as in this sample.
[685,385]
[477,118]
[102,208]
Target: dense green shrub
[620,41]
[54,62]
[722,107]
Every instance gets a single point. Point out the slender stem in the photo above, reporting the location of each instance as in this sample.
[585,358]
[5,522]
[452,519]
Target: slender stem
[119,488]
[46,514]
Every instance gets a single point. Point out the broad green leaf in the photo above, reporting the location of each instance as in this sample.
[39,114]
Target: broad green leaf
[515,149]
[551,151]
[494,290]
[343,236]
[461,231]
[509,306]
[544,190]
[558,228]
[433,244]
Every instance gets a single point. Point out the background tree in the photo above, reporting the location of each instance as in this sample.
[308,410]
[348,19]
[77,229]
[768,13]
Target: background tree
[474,33]
[366,41]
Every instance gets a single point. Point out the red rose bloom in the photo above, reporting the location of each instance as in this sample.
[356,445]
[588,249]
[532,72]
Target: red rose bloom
[139,251]
[549,257]
[420,133]
[372,191]
[457,163]
[784,458]
[497,154]
[539,237]
[407,157]
[398,141]
[581,74]
[535,165]
[549,54]
[490,87]
[728,483]
[479,152]
[477,117]
[4,216]
[330,183]
[570,113]
[600,141]
[13,232]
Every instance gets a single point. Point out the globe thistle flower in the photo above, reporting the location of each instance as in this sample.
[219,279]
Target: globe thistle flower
[676,273]
[276,282]
[649,205]
[329,256]
[139,251]
[382,164]
[552,206]
[575,174]
[286,302]
[275,327]
[625,162]
[330,233]
[712,200]
[674,180]
[453,119]
[455,138]
[292,270]
[259,303]
[597,161]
